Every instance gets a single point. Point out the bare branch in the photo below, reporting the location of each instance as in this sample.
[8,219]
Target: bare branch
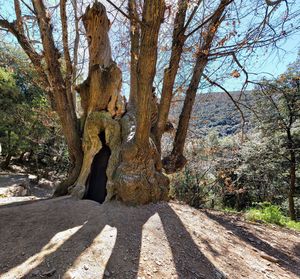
[28,7]
[231,98]
[69,66]
[205,21]
[76,42]
[273,3]
[192,15]
[123,13]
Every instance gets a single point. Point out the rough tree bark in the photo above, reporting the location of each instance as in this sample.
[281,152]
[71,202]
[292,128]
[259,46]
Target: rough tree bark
[134,171]
[135,34]
[170,73]
[60,93]
[133,135]
[139,177]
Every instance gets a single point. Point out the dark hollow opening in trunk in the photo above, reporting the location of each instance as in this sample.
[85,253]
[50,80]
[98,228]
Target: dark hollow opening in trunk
[96,183]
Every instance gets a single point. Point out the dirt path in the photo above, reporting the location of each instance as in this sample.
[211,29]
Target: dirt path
[64,238]
[18,187]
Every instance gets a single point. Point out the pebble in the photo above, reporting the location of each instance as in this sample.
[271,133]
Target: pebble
[158,262]
[107,273]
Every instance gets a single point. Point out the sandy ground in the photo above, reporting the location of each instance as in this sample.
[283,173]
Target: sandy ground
[67,238]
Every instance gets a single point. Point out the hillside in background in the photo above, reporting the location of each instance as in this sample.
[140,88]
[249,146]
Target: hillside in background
[216,111]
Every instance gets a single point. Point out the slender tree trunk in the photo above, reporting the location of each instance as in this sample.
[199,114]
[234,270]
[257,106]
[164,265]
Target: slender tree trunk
[292,189]
[63,101]
[135,34]
[21,157]
[170,73]
[176,160]
[71,133]
[6,162]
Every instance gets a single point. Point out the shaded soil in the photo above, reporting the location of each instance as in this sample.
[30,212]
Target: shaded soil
[65,238]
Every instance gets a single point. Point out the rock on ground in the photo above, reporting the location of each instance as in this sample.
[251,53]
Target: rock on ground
[14,185]
[19,187]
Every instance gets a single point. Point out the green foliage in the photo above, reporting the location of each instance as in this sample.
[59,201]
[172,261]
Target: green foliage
[292,225]
[257,169]
[272,214]
[27,122]
[229,210]
[285,206]
[187,187]
[266,212]
[261,160]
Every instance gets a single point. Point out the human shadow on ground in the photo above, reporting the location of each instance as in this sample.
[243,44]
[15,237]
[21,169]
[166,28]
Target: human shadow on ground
[284,260]
[124,260]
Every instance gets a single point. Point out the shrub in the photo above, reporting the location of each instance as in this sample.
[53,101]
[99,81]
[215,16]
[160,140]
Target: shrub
[186,187]
[269,213]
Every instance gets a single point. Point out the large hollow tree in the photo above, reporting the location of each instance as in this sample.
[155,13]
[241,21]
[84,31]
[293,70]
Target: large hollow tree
[132,131]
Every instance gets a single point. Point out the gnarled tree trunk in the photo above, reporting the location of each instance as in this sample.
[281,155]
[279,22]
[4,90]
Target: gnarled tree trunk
[133,173]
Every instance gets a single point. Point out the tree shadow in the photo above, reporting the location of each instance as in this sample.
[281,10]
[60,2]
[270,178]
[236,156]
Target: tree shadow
[124,260]
[284,260]
[297,250]
[189,261]
[27,227]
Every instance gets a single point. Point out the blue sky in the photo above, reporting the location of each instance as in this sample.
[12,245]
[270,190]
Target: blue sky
[273,62]
[268,65]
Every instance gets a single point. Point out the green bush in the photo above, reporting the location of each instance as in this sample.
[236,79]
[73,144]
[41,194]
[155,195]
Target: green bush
[272,214]
[186,186]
